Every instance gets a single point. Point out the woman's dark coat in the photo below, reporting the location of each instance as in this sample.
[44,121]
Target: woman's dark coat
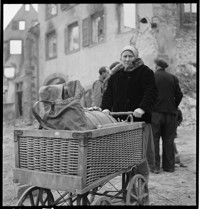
[127,91]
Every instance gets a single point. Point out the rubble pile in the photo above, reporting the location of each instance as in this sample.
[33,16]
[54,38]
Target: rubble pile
[187,80]
[188,108]
[186,47]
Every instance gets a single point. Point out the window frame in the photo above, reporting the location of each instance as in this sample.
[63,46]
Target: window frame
[87,29]
[47,45]
[67,37]
[183,16]
[94,16]
[48,15]
[19,86]
[86,32]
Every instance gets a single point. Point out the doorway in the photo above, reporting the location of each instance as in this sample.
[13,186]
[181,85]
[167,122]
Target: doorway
[19,100]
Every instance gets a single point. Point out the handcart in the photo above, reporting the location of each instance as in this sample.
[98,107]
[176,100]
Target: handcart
[71,167]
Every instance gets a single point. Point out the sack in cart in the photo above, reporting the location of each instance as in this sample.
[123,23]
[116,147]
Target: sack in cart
[61,108]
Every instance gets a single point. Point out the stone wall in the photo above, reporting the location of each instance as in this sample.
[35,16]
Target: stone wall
[168,13]
[8,112]
[185,38]
[186,44]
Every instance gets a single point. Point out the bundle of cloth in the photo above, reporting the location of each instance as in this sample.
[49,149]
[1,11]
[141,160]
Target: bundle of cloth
[57,105]
[62,91]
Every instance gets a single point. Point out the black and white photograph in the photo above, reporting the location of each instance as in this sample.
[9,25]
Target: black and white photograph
[99,104]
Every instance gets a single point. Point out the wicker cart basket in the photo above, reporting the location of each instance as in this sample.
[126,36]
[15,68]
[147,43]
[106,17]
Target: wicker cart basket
[74,160]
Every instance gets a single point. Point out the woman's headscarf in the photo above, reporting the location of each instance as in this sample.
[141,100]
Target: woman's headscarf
[138,61]
[133,49]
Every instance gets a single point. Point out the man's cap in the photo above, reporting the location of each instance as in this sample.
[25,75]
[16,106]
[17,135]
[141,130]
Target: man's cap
[114,64]
[102,70]
[133,49]
[161,62]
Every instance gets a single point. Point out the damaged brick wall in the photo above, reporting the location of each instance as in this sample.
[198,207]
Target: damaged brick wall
[186,43]
[168,13]
[162,35]
[185,39]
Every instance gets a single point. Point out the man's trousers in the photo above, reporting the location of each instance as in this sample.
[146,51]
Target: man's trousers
[164,126]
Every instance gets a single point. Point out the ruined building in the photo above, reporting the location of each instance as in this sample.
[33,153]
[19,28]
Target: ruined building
[77,39]
[20,64]
[72,41]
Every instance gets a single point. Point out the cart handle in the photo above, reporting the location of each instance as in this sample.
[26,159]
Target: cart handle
[121,113]
[129,115]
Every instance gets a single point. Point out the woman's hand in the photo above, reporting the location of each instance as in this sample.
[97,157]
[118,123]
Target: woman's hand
[94,108]
[138,112]
[106,111]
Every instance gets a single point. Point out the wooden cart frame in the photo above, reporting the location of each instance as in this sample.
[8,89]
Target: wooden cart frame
[82,177]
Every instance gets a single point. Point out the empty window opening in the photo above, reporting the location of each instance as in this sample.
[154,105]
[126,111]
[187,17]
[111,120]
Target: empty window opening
[190,8]
[21,25]
[15,46]
[27,7]
[189,14]
[126,17]
[97,28]
[73,37]
[51,45]
[9,72]
[129,15]
[51,10]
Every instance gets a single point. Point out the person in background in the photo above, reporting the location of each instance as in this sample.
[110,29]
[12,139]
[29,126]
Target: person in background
[164,121]
[132,87]
[99,86]
[179,119]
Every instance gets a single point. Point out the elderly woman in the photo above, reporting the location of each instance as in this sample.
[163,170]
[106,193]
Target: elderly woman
[132,87]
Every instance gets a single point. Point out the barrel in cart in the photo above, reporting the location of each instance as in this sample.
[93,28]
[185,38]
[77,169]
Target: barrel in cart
[71,167]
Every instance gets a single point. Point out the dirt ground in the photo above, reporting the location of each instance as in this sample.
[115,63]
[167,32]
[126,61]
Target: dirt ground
[178,188]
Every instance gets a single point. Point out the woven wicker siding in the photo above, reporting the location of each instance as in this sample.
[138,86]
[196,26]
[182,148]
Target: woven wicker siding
[49,155]
[106,154]
[112,153]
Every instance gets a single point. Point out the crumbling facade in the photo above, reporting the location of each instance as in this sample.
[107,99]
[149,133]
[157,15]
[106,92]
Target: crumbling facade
[19,64]
[77,39]
[72,41]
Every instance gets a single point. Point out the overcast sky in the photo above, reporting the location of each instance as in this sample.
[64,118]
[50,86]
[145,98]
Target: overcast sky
[10,10]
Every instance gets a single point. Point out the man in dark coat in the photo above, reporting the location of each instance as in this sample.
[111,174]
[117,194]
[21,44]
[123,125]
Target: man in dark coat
[164,115]
[132,88]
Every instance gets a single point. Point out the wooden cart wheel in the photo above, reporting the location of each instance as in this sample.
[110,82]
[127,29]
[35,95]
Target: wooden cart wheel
[102,201]
[36,196]
[125,181]
[137,193]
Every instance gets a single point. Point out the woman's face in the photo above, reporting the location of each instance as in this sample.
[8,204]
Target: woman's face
[127,58]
